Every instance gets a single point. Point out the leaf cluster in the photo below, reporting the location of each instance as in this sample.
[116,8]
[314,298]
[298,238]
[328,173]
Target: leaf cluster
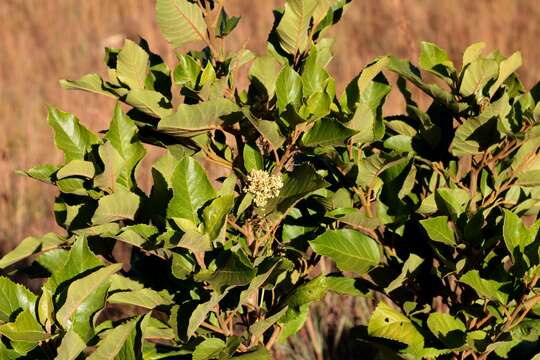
[433,210]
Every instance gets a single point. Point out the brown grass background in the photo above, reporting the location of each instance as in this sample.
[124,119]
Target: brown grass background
[42,41]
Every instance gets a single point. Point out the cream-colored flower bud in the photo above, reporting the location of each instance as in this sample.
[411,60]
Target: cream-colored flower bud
[263,186]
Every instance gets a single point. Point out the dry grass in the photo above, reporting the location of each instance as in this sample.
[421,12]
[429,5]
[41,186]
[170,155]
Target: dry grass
[43,41]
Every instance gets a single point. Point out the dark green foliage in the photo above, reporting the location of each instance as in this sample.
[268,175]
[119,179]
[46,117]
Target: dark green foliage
[434,209]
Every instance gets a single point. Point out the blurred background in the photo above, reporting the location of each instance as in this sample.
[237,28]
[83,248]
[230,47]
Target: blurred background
[42,41]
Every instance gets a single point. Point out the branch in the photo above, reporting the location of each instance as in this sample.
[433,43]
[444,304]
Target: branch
[237,227]
[274,337]
[213,328]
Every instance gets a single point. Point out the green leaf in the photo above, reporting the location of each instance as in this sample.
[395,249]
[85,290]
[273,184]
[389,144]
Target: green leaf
[195,241]
[313,290]
[153,351]
[122,283]
[260,327]
[26,248]
[327,132]
[80,260]
[208,76]
[209,349]
[334,11]
[411,73]
[317,106]
[350,249]
[201,311]
[7,353]
[325,7]
[122,134]
[77,168]
[226,24]
[252,157]
[489,289]
[409,268]
[81,290]
[182,266]
[449,329]
[292,322]
[25,329]
[149,102]
[73,186]
[90,82]
[439,230]
[154,329]
[464,143]
[187,71]
[314,76]
[345,286]
[166,165]
[514,232]
[367,119]
[452,201]
[265,70]
[103,230]
[402,128]
[436,60]
[71,346]
[294,25]
[288,88]
[368,75]
[181,22]
[477,134]
[269,129]
[14,297]
[191,190]
[472,53]
[118,343]
[296,186]
[215,215]
[529,178]
[388,323]
[120,154]
[400,144]
[83,319]
[432,353]
[121,205]
[145,298]
[45,309]
[477,75]
[231,271]
[42,173]
[257,283]
[70,136]
[506,68]
[197,119]
[132,65]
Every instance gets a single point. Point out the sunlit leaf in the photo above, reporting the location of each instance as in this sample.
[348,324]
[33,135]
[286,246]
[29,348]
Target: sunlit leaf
[351,250]
[180,21]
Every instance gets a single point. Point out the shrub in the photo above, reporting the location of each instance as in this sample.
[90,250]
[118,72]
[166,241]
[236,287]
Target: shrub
[432,212]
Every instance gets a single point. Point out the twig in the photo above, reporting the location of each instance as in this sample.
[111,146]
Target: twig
[213,328]
[371,233]
[528,305]
[274,337]
[236,227]
[288,152]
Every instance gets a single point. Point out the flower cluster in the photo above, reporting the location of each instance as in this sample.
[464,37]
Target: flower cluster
[263,186]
